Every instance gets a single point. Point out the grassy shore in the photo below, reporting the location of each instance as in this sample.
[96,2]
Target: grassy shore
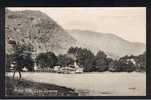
[28,88]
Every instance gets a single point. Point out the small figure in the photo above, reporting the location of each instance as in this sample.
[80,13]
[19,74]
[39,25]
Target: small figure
[16,69]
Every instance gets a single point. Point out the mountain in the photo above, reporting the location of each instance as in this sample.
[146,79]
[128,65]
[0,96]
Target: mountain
[37,29]
[44,34]
[113,45]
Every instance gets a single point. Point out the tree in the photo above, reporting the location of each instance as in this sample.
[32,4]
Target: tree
[25,60]
[9,60]
[84,57]
[64,60]
[21,55]
[114,66]
[72,50]
[141,62]
[48,59]
[124,64]
[129,63]
[89,65]
[20,48]
[101,61]
[101,54]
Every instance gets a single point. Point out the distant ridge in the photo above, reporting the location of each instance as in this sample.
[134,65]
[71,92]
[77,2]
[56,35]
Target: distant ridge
[113,45]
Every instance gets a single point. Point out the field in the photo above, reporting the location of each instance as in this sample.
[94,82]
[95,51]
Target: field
[94,84]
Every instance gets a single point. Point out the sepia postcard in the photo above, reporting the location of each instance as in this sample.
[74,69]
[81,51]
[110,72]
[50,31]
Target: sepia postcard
[75,51]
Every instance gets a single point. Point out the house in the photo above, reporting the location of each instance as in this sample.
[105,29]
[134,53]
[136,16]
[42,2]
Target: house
[57,68]
[35,67]
[132,60]
[25,69]
[12,66]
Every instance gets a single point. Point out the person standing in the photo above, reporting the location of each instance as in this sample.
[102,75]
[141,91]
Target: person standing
[16,69]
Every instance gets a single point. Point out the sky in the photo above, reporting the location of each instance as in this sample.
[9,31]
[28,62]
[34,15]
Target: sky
[126,22]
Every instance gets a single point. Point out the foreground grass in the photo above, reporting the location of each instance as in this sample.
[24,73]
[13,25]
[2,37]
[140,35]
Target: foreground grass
[29,88]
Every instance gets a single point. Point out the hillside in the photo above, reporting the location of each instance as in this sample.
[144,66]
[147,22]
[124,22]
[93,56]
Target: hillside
[37,29]
[113,45]
[44,34]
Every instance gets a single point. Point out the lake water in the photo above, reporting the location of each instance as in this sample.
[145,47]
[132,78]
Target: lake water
[95,84]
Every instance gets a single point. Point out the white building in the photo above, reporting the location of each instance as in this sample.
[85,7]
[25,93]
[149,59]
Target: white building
[56,68]
[25,69]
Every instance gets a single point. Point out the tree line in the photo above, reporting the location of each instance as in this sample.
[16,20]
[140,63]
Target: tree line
[85,58]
